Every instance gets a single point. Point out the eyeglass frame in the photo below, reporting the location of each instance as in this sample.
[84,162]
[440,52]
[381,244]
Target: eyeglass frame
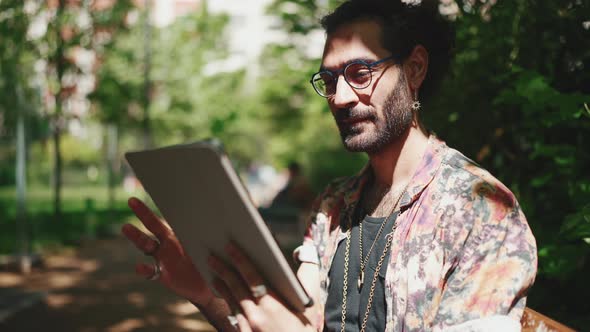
[337,73]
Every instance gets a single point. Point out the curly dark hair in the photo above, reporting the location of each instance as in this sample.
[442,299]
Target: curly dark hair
[404,26]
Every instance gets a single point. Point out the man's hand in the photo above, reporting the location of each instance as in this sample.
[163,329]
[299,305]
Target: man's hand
[245,291]
[177,270]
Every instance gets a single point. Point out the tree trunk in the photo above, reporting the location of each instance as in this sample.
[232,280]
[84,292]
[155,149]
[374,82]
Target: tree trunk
[57,173]
[57,128]
[112,164]
[21,186]
[147,84]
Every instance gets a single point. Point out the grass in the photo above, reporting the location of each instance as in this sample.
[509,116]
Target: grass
[85,212]
[40,199]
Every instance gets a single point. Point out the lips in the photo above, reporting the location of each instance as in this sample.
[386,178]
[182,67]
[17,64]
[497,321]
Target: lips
[352,121]
[347,118]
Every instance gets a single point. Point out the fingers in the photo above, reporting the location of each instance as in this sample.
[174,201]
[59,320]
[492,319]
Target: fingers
[243,324]
[236,304]
[232,281]
[149,219]
[225,292]
[145,270]
[142,241]
[244,266]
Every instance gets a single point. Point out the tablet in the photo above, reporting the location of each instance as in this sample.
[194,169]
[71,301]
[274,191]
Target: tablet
[202,198]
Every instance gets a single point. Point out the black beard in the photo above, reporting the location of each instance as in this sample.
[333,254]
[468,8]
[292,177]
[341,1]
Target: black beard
[397,113]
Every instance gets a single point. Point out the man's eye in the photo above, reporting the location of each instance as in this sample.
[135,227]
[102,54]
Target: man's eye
[360,76]
[328,79]
[362,73]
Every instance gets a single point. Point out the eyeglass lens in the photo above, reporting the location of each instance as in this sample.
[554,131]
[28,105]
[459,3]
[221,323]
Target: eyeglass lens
[358,75]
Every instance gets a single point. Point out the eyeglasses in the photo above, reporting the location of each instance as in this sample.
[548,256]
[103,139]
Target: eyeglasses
[358,74]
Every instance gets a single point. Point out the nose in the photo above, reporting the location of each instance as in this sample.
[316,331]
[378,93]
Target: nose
[345,95]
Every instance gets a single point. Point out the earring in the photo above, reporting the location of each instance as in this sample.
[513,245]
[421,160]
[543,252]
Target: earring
[416,104]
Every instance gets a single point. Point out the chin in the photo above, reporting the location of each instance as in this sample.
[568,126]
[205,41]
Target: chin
[362,142]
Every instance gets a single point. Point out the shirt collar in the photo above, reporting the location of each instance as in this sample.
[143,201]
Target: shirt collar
[425,172]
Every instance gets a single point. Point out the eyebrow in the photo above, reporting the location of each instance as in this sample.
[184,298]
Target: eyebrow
[367,60]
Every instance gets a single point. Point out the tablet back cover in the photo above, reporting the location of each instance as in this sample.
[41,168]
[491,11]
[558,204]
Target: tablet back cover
[199,194]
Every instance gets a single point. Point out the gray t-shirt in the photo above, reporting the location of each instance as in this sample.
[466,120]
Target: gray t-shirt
[356,300]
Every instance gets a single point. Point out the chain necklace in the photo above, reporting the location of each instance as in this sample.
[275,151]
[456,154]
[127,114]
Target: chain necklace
[361,278]
[363,264]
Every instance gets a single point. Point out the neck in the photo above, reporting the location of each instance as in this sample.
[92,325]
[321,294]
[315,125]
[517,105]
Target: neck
[395,165]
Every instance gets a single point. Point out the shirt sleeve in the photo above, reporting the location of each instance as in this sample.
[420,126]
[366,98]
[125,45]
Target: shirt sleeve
[495,270]
[307,252]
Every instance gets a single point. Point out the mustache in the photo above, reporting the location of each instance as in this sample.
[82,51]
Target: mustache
[347,114]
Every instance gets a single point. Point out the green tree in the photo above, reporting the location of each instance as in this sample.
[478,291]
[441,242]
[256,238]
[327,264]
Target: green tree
[517,91]
[17,59]
[180,93]
[15,64]
[187,100]
[72,28]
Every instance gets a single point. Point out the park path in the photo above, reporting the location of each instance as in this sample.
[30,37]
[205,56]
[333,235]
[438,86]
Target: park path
[94,288]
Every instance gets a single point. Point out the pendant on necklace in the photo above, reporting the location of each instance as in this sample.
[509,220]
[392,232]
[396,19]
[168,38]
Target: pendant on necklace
[360,280]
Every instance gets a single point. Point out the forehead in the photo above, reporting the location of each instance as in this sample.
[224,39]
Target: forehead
[357,40]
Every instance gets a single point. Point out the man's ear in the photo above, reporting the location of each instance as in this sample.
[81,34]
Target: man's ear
[416,66]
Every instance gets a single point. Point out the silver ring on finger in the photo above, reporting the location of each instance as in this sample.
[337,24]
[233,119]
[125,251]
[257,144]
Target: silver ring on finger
[233,320]
[258,291]
[157,271]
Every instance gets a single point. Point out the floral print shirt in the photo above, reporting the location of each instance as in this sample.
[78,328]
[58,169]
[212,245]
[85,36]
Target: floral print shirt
[462,256]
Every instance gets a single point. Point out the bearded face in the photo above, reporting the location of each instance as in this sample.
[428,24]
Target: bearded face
[370,129]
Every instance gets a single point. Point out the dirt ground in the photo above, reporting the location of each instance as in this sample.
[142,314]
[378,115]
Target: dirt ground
[94,288]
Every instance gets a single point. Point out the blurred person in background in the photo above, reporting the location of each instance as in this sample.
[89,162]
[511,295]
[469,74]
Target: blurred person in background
[290,207]
[297,192]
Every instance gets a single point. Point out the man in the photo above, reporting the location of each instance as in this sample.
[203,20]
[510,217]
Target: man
[420,239]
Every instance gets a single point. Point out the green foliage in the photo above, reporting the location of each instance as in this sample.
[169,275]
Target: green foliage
[18,94]
[532,118]
[13,28]
[519,101]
